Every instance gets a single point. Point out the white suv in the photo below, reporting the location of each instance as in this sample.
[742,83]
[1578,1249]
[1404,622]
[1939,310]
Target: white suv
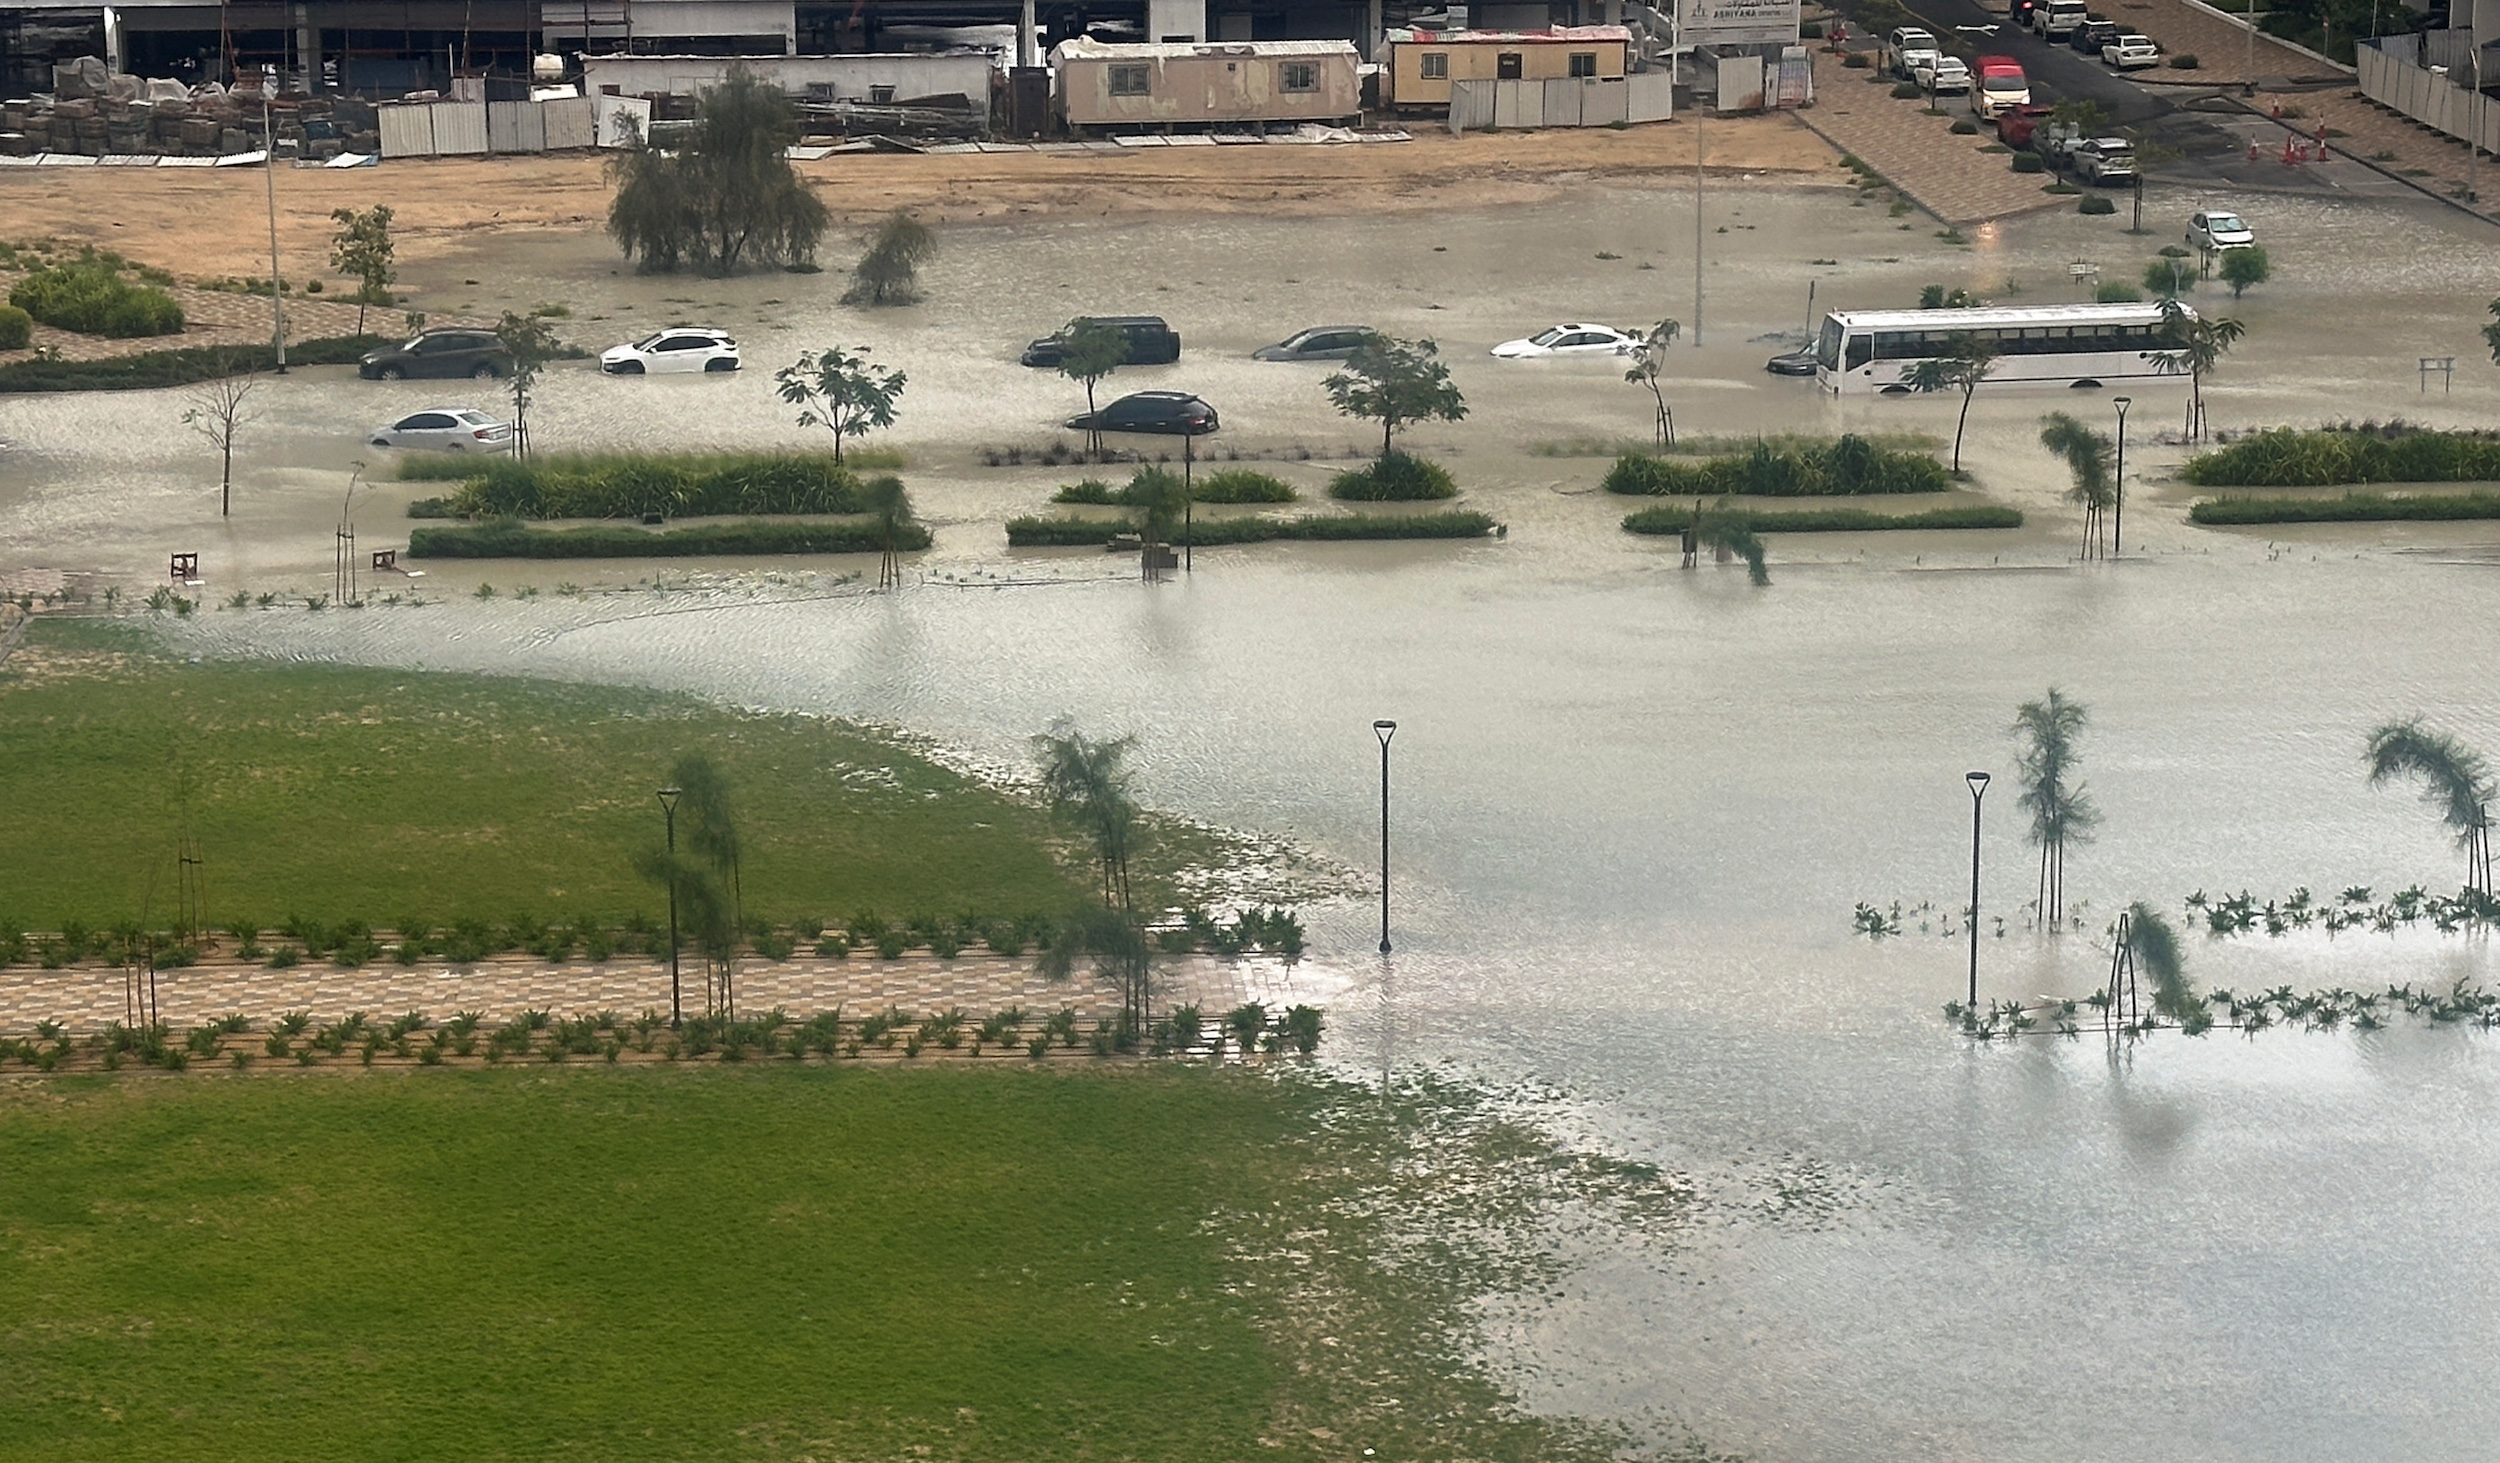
[2217,229]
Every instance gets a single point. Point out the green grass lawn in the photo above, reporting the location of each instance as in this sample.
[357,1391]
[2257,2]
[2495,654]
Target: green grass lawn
[347,793]
[762,1264]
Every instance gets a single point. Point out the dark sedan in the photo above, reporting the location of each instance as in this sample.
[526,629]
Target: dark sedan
[438,353]
[1150,411]
[1323,343]
[1791,363]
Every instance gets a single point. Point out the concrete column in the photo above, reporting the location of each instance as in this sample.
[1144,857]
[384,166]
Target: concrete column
[1371,30]
[308,47]
[1028,44]
[113,39]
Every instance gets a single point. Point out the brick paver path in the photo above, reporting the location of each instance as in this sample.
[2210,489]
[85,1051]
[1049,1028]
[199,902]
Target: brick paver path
[2223,54]
[216,317]
[1946,174]
[86,998]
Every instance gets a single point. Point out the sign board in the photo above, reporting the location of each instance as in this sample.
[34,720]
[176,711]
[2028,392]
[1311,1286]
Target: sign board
[1737,22]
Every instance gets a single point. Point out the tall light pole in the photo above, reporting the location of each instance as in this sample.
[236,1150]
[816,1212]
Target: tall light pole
[1384,730]
[1697,116]
[1189,501]
[1978,789]
[676,1001]
[269,142]
[2474,129]
[2118,520]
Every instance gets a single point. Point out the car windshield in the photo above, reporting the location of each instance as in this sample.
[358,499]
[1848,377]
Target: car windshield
[1548,337]
[2005,81]
[2224,223]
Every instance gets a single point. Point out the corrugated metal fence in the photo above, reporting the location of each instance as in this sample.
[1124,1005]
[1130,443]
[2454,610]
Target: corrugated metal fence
[1581,102]
[2392,75]
[460,129]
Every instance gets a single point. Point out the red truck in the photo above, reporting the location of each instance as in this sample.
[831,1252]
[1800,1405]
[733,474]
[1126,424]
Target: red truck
[2001,84]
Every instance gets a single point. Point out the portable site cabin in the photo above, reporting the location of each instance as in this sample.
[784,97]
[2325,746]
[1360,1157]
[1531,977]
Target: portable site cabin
[1190,84]
[875,78]
[1423,63]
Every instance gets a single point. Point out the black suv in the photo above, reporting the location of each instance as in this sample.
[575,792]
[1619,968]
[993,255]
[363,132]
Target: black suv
[438,353]
[1150,341]
[2092,34]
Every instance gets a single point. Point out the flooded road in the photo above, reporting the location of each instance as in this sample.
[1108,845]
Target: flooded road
[1635,807]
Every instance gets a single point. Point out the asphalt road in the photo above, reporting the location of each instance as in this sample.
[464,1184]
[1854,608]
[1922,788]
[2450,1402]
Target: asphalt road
[2058,72]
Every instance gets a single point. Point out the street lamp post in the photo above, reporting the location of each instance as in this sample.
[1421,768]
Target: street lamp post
[676,1000]
[1189,498]
[2118,520]
[269,143]
[1978,789]
[1384,730]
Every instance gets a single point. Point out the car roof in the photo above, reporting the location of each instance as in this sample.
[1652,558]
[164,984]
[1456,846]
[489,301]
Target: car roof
[1123,319]
[1332,329]
[1584,325]
[1161,396]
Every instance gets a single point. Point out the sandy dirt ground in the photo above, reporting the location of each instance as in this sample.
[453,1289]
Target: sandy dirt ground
[202,222]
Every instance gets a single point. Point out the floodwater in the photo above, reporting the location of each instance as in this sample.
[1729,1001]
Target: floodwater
[1635,806]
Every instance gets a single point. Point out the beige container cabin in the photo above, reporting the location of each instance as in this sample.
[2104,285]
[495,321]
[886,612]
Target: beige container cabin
[1423,63]
[1103,85]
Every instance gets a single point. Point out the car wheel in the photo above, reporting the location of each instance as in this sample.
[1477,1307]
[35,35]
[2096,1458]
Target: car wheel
[484,372]
[392,373]
[629,368]
[379,442]
[710,366]
[455,446]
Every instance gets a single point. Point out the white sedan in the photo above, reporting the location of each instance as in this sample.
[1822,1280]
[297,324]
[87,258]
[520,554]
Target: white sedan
[2131,53]
[1570,340]
[446,429]
[679,348]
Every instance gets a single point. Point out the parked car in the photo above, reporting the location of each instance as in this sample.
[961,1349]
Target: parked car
[445,429]
[1791,363]
[438,353]
[2015,125]
[2132,53]
[1908,48]
[2058,17]
[1570,340]
[2104,160]
[1319,343]
[2001,85]
[1150,341]
[678,348]
[1150,411]
[1944,76]
[2095,32]
[2216,229]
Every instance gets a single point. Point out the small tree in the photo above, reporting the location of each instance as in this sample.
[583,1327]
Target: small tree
[2088,457]
[2491,333]
[2195,345]
[1089,351]
[2168,277]
[532,344]
[889,509]
[2157,953]
[2454,779]
[1964,363]
[1162,501]
[1649,359]
[1395,382]
[842,392]
[1728,537]
[2244,267]
[218,411]
[361,249]
[725,194]
[889,273]
[2048,732]
[707,874]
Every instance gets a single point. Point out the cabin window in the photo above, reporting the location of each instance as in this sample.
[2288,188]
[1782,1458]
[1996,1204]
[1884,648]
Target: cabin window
[1131,80]
[1506,66]
[1584,63]
[1298,76]
[1433,66]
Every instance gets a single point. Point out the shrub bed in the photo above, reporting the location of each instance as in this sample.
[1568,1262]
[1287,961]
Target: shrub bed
[2350,508]
[17,328]
[1231,485]
[508,539]
[629,485]
[149,370]
[2286,458]
[1396,478]
[1781,469]
[92,298]
[1828,520]
[1211,532]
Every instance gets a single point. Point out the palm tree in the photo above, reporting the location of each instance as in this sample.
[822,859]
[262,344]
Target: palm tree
[2088,454]
[2048,732]
[1726,535]
[1123,957]
[2196,345]
[2454,778]
[1161,500]
[2155,946]
[889,508]
[1964,363]
[1087,785]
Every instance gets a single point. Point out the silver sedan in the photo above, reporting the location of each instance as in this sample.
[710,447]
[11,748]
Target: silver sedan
[445,429]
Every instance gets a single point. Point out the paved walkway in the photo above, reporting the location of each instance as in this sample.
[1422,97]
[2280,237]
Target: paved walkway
[87,998]
[215,318]
[1920,155]
[2362,130]
[2223,52]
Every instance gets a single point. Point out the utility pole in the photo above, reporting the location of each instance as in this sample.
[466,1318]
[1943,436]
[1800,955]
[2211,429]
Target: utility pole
[269,142]
[1697,154]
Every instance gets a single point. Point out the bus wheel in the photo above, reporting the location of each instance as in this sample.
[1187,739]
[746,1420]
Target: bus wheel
[1895,391]
[2086,384]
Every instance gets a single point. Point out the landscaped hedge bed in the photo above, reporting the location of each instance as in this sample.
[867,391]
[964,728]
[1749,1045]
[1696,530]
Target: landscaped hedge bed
[2350,508]
[151,369]
[1227,485]
[629,485]
[1783,469]
[1396,478]
[2286,458]
[506,539]
[1211,532]
[92,297]
[1827,520]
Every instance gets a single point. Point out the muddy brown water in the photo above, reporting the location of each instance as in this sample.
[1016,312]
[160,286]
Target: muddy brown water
[1635,805]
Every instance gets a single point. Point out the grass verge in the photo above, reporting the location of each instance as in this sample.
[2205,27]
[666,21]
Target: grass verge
[2348,508]
[1213,532]
[149,369]
[1826,520]
[1150,1263]
[346,793]
[508,540]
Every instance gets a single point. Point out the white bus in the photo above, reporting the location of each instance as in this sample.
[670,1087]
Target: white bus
[2065,345]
